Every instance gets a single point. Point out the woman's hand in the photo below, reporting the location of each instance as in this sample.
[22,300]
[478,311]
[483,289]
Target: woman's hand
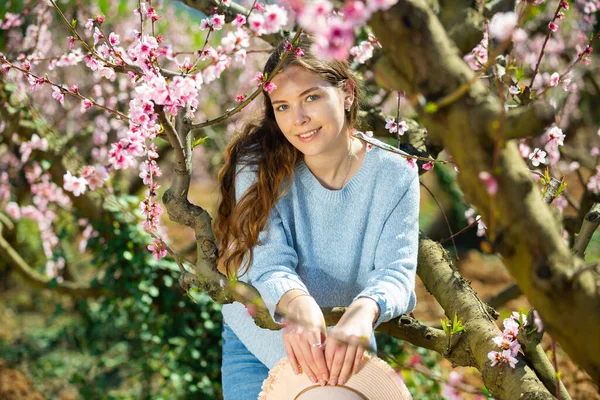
[304,336]
[346,342]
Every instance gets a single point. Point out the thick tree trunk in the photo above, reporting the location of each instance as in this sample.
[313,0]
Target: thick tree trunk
[425,63]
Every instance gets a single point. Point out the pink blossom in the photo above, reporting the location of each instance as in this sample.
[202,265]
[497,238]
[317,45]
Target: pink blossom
[538,157]
[38,143]
[335,41]
[428,166]
[256,22]
[269,87]
[71,41]
[240,56]
[97,35]
[240,97]
[73,184]
[86,104]
[217,21]
[554,78]
[537,321]
[58,95]
[376,5]
[89,24]
[355,12]
[552,26]
[260,7]
[204,24]
[449,391]
[491,185]
[239,21]
[524,150]
[593,183]
[402,127]
[514,90]
[13,210]
[275,18]
[503,25]
[507,343]
[362,52]
[554,137]
[299,52]
[107,72]
[158,249]
[411,162]
[114,39]
[391,125]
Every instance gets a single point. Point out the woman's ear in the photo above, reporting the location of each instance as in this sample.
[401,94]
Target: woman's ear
[349,90]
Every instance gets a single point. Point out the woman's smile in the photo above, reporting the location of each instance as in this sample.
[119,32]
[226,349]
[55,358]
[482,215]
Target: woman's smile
[308,136]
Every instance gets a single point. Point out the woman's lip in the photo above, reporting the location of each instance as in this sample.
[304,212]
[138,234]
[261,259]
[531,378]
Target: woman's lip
[311,137]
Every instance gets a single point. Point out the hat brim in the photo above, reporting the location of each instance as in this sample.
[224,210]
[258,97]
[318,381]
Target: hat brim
[376,380]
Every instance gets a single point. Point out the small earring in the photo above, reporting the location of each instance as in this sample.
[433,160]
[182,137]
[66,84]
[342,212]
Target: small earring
[348,107]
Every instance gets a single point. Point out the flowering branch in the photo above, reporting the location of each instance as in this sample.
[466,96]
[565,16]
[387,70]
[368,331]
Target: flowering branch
[561,5]
[530,339]
[247,101]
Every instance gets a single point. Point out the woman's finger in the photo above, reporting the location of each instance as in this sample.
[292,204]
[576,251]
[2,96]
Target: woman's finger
[289,350]
[358,359]
[348,364]
[305,345]
[318,355]
[337,362]
[300,357]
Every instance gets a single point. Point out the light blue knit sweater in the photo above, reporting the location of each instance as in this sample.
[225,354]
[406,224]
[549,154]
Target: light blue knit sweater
[337,245]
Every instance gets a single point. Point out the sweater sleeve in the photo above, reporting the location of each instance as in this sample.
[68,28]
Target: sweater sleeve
[392,281]
[274,261]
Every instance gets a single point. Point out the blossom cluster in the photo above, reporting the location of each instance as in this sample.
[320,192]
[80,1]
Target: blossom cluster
[472,216]
[507,341]
[334,31]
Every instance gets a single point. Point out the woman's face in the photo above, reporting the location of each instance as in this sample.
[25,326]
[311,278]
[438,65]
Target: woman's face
[310,111]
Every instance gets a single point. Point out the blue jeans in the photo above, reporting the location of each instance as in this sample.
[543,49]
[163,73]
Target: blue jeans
[242,374]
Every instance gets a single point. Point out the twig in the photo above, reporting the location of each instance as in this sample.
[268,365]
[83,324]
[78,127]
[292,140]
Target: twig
[445,217]
[461,231]
[543,50]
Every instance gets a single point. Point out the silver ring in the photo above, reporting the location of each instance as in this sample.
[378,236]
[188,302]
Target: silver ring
[316,344]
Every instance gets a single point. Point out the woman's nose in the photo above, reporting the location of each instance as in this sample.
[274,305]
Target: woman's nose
[301,116]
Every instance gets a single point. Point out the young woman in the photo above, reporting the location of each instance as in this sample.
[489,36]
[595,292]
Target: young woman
[312,219]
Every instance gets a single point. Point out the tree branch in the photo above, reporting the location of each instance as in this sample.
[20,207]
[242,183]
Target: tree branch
[530,120]
[588,227]
[39,281]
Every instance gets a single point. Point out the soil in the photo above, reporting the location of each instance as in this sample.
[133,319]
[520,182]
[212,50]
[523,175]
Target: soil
[15,386]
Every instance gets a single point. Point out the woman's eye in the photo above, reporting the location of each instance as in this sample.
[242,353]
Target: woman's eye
[312,97]
[280,108]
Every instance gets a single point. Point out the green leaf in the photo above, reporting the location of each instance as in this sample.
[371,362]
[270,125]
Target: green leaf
[519,72]
[74,23]
[199,141]
[430,108]
[444,326]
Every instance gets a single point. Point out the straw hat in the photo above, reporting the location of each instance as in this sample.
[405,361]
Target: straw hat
[375,381]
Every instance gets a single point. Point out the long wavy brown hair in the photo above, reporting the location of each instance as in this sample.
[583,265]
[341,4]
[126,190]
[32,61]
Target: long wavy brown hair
[262,146]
